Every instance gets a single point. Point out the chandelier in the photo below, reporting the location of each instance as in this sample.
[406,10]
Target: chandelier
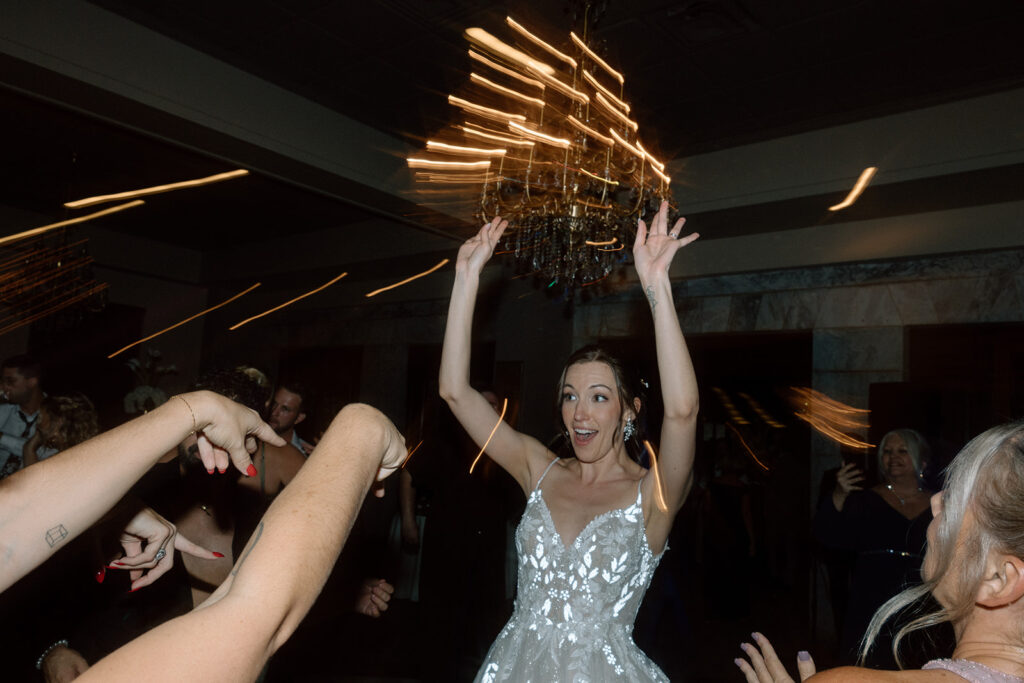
[545,138]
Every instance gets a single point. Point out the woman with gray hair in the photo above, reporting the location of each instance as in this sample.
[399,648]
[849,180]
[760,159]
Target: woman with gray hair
[884,526]
[974,568]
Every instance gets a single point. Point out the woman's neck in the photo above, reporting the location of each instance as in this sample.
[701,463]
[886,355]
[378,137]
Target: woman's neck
[991,646]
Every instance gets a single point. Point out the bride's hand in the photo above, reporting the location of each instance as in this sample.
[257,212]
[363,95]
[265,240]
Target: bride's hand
[653,250]
[475,252]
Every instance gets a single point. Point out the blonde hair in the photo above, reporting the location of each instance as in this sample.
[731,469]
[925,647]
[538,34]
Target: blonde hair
[987,478]
[917,448]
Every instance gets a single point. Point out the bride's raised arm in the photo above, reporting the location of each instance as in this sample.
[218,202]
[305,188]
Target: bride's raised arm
[653,252]
[515,452]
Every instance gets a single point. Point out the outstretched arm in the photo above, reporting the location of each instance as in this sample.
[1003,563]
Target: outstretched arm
[653,252]
[281,571]
[513,451]
[44,506]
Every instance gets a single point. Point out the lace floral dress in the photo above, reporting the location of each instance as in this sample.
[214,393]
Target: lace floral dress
[574,612]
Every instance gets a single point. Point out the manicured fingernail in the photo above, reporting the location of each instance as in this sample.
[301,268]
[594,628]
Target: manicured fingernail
[133,590]
[216,554]
[755,635]
[101,574]
[209,471]
[119,564]
[803,656]
[744,646]
[737,662]
[222,470]
[251,470]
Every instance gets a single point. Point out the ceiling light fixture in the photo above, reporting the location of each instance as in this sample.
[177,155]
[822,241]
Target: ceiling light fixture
[574,177]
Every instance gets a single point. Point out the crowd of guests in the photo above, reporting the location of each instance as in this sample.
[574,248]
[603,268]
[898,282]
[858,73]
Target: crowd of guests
[192,542]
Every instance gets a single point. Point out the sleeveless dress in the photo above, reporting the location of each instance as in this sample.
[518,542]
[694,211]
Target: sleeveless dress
[575,606]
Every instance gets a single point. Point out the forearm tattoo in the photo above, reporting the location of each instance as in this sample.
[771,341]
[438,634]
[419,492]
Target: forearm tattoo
[651,298]
[252,544]
[56,535]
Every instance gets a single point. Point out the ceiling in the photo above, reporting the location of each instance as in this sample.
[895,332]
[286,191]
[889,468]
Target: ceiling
[703,75]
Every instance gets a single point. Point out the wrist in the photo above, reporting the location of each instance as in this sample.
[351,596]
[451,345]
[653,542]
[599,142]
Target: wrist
[49,651]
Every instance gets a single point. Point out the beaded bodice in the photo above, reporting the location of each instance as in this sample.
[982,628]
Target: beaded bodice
[597,581]
[576,603]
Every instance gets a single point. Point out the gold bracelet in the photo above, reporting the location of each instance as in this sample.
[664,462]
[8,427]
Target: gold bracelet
[194,424]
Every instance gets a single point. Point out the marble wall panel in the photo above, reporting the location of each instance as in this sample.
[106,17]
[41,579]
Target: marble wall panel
[987,299]
[914,302]
[743,312]
[853,349]
[867,306]
[790,310]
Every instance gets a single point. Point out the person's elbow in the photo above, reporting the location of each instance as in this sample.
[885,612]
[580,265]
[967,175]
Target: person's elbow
[685,411]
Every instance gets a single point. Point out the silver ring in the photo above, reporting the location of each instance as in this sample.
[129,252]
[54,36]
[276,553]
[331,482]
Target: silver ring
[160,554]
[673,235]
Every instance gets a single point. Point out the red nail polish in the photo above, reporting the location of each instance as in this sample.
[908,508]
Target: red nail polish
[101,574]
[209,471]
[216,554]
[133,590]
[222,470]
[251,470]
[119,563]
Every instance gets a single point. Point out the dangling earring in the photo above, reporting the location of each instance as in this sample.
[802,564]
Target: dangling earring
[629,430]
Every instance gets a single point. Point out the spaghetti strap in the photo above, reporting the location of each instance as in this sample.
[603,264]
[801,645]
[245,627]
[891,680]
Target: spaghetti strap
[639,492]
[545,473]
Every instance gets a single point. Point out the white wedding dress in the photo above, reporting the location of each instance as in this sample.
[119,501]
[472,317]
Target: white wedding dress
[575,607]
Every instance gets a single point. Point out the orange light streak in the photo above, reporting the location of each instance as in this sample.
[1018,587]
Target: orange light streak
[664,178]
[539,137]
[564,57]
[453,178]
[485,40]
[483,448]
[186,320]
[288,303]
[593,55]
[614,111]
[407,280]
[603,207]
[660,166]
[607,93]
[476,78]
[745,446]
[455,149]
[446,165]
[488,134]
[81,219]
[618,248]
[658,490]
[564,88]
[508,72]
[486,112]
[602,244]
[576,123]
[862,182]
[156,189]
[409,454]
[622,141]
[829,416]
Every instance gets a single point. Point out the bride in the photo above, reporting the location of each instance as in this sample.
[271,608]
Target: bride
[597,522]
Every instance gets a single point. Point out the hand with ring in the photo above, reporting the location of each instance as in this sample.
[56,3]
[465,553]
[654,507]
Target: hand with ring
[149,542]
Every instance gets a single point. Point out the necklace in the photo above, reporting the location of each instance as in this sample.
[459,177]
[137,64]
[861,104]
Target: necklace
[902,500]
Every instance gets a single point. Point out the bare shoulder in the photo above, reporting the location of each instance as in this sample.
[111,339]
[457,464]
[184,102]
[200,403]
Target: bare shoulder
[854,674]
[538,461]
[284,462]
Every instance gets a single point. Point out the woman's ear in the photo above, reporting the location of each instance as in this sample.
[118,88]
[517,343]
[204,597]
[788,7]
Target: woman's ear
[1003,583]
[636,405]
